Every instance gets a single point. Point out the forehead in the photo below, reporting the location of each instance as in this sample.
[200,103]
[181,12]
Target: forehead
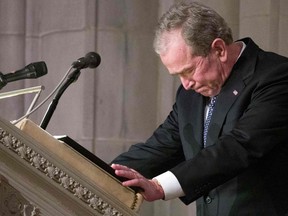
[177,54]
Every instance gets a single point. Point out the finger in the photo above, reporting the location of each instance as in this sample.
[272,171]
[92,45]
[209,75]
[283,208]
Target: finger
[132,182]
[125,171]
[141,184]
[129,174]
[120,167]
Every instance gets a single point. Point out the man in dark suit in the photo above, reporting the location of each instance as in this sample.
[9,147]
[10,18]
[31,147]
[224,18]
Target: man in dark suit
[240,166]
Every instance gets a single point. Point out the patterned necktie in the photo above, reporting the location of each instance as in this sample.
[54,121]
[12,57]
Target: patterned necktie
[208,119]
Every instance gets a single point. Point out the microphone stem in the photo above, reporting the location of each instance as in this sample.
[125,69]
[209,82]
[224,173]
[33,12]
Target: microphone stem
[52,106]
[2,81]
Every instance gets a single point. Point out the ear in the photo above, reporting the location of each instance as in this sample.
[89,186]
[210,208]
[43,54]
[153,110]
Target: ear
[219,48]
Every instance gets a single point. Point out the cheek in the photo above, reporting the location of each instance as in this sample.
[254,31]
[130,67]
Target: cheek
[205,76]
[213,75]
[210,79]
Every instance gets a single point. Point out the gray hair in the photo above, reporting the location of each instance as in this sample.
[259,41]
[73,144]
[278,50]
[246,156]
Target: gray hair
[199,25]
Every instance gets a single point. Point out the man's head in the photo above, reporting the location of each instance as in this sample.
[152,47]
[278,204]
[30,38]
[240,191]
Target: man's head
[199,25]
[193,42]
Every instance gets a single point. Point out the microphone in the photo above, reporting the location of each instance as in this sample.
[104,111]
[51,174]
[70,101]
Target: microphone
[90,60]
[31,71]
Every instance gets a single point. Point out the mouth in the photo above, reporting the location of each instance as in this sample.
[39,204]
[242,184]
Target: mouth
[198,89]
[203,91]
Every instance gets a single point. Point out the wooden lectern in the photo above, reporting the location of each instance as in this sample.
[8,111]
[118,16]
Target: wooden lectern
[40,175]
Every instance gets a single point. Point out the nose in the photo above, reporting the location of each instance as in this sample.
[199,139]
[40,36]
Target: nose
[186,83]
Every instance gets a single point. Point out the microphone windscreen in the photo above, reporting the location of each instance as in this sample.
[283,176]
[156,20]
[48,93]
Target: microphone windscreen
[93,59]
[39,68]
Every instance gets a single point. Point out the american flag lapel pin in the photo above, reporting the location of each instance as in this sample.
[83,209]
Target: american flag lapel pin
[235,92]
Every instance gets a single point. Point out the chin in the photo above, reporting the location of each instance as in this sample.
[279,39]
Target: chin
[209,93]
[205,94]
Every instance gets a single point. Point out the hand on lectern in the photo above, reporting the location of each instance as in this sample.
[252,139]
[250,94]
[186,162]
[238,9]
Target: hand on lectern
[151,189]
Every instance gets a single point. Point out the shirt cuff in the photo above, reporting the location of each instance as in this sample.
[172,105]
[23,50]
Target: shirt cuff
[170,184]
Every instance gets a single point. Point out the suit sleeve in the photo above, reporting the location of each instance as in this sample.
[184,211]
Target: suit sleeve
[161,152]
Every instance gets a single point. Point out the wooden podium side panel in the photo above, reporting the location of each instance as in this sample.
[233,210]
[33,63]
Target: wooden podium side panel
[58,180]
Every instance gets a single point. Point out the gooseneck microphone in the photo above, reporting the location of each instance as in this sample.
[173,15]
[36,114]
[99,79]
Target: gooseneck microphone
[31,71]
[90,60]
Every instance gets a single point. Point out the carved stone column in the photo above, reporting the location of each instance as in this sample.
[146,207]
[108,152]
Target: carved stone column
[13,203]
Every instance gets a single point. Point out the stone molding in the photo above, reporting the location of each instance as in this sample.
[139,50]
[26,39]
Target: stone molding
[42,165]
[13,203]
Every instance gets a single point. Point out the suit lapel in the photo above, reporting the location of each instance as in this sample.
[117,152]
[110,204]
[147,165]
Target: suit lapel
[224,102]
[199,119]
[240,76]
[192,119]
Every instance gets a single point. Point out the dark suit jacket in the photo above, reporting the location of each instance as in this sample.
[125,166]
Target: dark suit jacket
[244,169]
